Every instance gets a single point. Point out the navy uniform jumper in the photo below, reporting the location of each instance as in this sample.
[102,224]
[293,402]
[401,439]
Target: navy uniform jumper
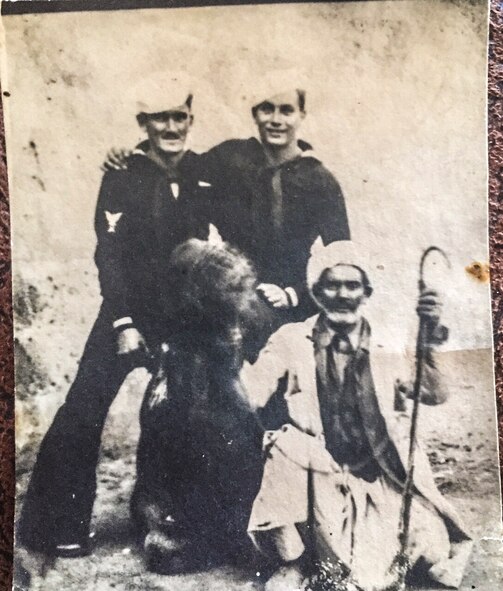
[141,216]
[275,213]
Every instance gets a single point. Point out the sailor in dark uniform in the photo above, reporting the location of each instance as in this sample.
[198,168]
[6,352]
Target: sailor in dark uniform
[143,213]
[272,198]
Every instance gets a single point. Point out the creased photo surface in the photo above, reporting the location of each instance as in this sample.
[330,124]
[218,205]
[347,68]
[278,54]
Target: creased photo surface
[251,296]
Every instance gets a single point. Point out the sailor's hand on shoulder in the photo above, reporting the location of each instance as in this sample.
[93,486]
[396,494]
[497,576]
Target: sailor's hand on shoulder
[116,159]
[274,295]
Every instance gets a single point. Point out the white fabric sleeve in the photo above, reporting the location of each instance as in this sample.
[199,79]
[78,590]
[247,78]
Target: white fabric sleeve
[260,380]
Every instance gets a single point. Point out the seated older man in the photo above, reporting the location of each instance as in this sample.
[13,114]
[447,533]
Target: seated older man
[335,471]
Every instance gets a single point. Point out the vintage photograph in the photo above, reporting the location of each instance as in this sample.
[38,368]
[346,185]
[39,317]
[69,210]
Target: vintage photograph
[251,296]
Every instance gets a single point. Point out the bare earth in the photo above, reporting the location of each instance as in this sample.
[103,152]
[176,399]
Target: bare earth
[464,463]
[460,438]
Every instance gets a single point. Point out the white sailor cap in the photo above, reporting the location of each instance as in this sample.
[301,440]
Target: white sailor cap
[159,92]
[274,82]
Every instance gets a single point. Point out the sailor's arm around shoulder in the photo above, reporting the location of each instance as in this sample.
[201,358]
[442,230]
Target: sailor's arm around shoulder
[220,159]
[260,379]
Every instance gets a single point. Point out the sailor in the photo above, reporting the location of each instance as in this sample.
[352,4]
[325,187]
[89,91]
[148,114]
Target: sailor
[143,213]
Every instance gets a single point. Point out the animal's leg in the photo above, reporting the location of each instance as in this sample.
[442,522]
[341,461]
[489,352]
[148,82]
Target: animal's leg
[160,471]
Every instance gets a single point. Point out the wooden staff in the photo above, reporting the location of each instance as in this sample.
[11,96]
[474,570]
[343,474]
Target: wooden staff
[401,562]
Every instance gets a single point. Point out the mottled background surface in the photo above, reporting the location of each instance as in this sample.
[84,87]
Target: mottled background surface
[464,463]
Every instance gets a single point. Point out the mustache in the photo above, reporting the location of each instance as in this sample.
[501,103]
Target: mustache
[170,135]
[342,304]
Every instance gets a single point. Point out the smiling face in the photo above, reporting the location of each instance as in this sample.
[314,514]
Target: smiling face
[167,131]
[341,291]
[278,119]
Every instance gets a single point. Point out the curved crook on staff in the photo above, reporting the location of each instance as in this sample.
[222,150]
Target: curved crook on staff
[401,560]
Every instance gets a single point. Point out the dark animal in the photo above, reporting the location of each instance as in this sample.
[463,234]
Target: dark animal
[199,457]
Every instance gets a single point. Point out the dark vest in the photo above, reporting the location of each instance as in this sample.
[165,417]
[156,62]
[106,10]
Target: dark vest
[355,430]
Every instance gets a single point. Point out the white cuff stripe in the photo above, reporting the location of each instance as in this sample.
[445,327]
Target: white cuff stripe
[122,321]
[293,296]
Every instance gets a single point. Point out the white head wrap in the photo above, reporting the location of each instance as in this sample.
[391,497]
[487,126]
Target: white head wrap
[343,252]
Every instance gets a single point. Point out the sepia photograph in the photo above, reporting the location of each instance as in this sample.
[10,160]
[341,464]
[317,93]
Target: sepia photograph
[251,297]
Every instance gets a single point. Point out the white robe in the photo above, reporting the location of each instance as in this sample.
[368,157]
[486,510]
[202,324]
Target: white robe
[356,521]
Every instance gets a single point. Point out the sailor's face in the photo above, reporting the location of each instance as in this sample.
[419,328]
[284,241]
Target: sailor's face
[167,131]
[278,119]
[341,292]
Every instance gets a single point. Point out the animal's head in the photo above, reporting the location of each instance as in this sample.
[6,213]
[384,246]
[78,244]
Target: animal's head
[213,285]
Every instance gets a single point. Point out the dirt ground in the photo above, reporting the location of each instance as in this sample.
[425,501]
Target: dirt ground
[117,563]
[460,438]
[463,457]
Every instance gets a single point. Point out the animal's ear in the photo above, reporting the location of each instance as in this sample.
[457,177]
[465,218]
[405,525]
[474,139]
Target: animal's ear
[317,246]
[214,237]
